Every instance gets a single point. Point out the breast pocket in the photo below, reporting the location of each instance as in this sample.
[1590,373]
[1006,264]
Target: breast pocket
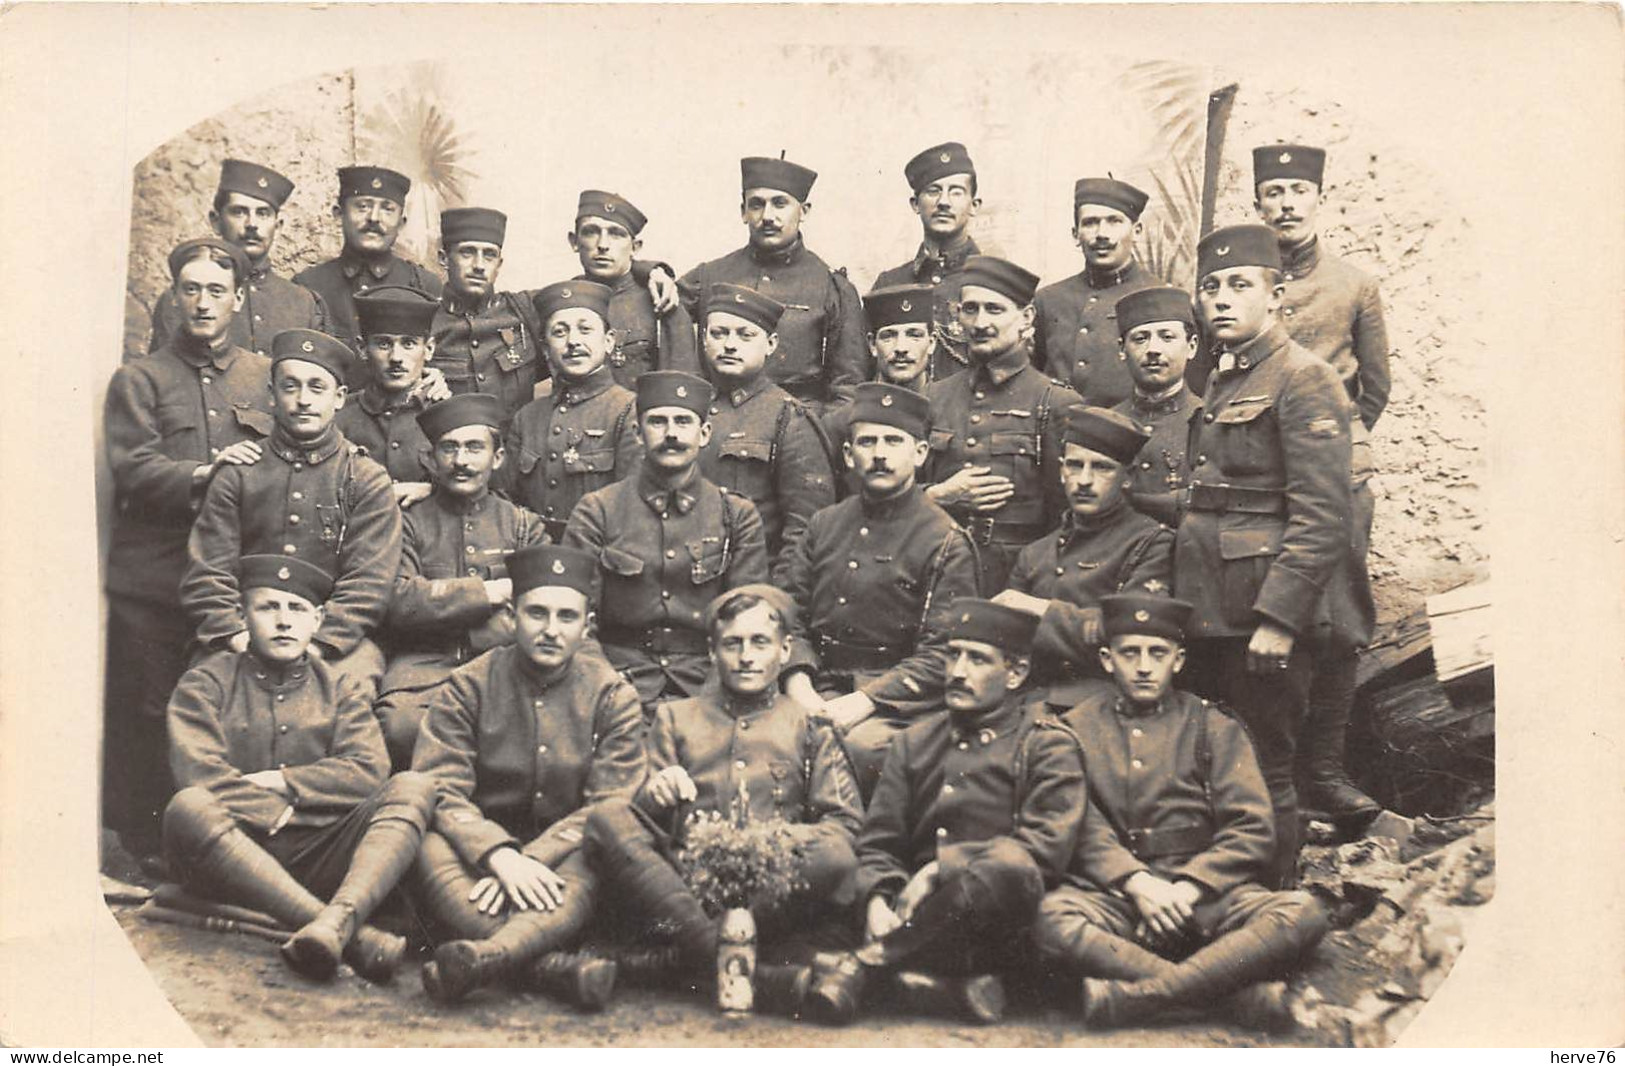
[591,455]
[1246,439]
[330,522]
[1015,452]
[620,563]
[252,423]
[1247,554]
[178,429]
[746,465]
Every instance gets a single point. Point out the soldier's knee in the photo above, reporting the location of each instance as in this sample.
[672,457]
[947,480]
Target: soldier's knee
[611,825]
[401,720]
[193,819]
[1010,872]
[1302,913]
[831,871]
[407,797]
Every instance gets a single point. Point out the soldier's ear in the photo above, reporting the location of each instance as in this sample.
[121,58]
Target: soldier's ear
[772,343]
[338,212]
[1016,669]
[914,204]
[1138,228]
[874,349]
[340,394]
[237,301]
[499,455]
[320,613]
[573,240]
[214,222]
[922,452]
[637,244]
[846,454]
[1105,653]
[440,255]
[1029,315]
[705,433]
[1179,659]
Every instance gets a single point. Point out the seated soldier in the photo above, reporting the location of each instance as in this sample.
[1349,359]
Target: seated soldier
[976,814]
[1163,908]
[381,419]
[285,797]
[453,598]
[520,742]
[1104,546]
[310,496]
[739,739]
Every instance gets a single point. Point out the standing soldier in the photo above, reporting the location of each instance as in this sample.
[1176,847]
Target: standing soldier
[310,495]
[873,580]
[943,180]
[764,444]
[667,542]
[285,796]
[520,742]
[820,356]
[996,430]
[1163,908]
[247,213]
[371,210]
[582,435]
[740,742]
[605,238]
[975,816]
[382,419]
[1158,331]
[453,598]
[1104,546]
[1074,337]
[1264,544]
[172,419]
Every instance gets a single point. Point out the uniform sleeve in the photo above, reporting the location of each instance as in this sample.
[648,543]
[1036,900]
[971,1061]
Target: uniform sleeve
[833,801]
[914,685]
[748,544]
[678,348]
[1056,402]
[619,766]
[1371,354]
[435,604]
[166,316]
[883,842]
[1152,567]
[1038,345]
[209,591]
[156,486]
[447,746]
[628,448]
[804,482]
[690,287]
[198,753]
[1313,415]
[1054,799]
[320,317]
[846,348]
[1244,830]
[369,561]
[798,582]
[585,530]
[357,763]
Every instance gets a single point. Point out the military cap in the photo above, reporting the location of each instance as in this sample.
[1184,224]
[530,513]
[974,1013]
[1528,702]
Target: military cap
[187,250]
[1234,246]
[1160,303]
[756,172]
[373,181]
[560,295]
[1111,193]
[1144,614]
[251,179]
[1000,275]
[551,565]
[772,595]
[313,346]
[599,204]
[897,304]
[1103,430]
[1288,161]
[992,623]
[455,412]
[461,224]
[285,572]
[748,304]
[937,162]
[891,405]
[674,388]
[396,309]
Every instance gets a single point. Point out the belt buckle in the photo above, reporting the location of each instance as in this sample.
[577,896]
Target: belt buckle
[981,530]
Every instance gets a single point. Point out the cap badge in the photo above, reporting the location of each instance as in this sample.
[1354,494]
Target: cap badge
[1286,157]
[739,297]
[986,736]
[558,566]
[565,293]
[307,347]
[1224,250]
[377,183]
[284,573]
[964,618]
[886,401]
[945,157]
[682,390]
[609,206]
[262,183]
[906,306]
[1142,615]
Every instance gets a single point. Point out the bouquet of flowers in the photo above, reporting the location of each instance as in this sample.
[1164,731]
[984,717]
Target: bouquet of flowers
[733,860]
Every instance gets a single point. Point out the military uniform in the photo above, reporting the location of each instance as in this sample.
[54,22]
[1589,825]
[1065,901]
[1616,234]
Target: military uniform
[494,347]
[338,281]
[1075,332]
[646,341]
[1159,472]
[387,432]
[579,438]
[942,269]
[271,304]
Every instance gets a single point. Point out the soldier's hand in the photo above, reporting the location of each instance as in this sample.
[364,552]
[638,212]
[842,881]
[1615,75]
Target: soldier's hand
[270,779]
[432,386]
[848,710]
[243,453]
[799,687]
[530,885]
[1021,601]
[238,642]
[921,885]
[1270,649]
[488,897]
[976,487]
[663,290]
[672,785]
[498,591]
[409,492]
[881,919]
[1165,906]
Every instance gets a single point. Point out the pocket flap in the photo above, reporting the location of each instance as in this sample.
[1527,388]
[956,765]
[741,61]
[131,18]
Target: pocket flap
[1241,413]
[941,439]
[1250,543]
[254,419]
[1008,443]
[746,449]
[589,461]
[515,359]
[620,562]
[528,460]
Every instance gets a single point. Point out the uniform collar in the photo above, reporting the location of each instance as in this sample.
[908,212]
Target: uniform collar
[740,395]
[351,264]
[1002,368]
[1302,259]
[782,257]
[1165,403]
[737,707]
[273,677]
[986,727]
[1255,351]
[307,451]
[1072,526]
[1106,279]
[539,681]
[261,270]
[946,260]
[581,391]
[882,508]
[1127,708]
[220,351]
[456,305]
[663,501]
[461,505]
[373,402]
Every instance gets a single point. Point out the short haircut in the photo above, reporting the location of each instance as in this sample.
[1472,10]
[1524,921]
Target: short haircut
[740,602]
[223,197]
[215,256]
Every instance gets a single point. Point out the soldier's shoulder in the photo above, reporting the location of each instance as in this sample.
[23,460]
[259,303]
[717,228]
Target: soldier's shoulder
[1059,290]
[318,272]
[902,274]
[219,667]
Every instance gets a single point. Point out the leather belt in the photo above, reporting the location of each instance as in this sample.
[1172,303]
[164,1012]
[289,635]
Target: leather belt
[985,529]
[657,639]
[1147,844]
[842,656]
[1242,499]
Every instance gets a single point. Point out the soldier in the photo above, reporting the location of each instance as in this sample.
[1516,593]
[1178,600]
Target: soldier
[310,495]
[1158,335]
[739,750]
[285,796]
[371,210]
[1163,908]
[1335,311]
[582,435]
[996,430]
[521,742]
[1074,338]
[873,578]
[820,356]
[394,323]
[1264,543]
[1104,546]
[453,597]
[605,238]
[764,444]
[943,180]
[976,814]
[247,213]
[172,420]
[667,542]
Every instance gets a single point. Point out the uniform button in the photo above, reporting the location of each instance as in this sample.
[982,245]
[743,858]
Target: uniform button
[541,749]
[979,395]
[744,726]
[1137,732]
[281,728]
[671,553]
[552,455]
[468,527]
[214,451]
[1200,459]
[298,466]
[942,831]
[207,379]
[664,661]
[1085,329]
[1136,763]
[290,549]
[963,746]
[1208,417]
[552,482]
[479,377]
[975,419]
[863,531]
[473,571]
[394,444]
[293,520]
[1060,569]
[841,600]
[947,790]
[970,442]
[298,495]
[1092,299]
[213,413]
[1145,466]
[1289,312]
[257,318]
[557,430]
[365,287]
[281,766]
[475,343]
[714,408]
[538,795]
[936,279]
[665,594]
[766,278]
[1289,277]
[851,564]
[739,764]
[469,550]
[280,697]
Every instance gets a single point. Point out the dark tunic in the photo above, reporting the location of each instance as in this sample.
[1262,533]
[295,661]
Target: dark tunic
[271,304]
[1075,336]
[944,270]
[339,280]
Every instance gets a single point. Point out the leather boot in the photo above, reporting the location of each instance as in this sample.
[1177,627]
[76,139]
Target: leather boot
[1322,739]
[459,967]
[647,885]
[650,967]
[837,987]
[979,999]
[1265,1006]
[782,990]
[585,982]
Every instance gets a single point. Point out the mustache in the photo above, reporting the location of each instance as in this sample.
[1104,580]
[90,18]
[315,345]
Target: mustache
[373,227]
